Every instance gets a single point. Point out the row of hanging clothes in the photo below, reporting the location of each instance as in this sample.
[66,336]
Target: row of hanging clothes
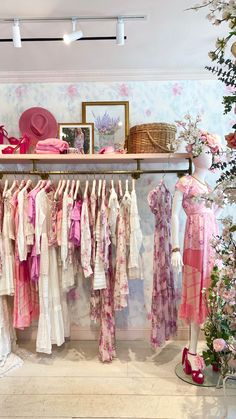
[53,235]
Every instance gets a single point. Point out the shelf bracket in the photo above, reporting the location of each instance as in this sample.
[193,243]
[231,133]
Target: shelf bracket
[136,175]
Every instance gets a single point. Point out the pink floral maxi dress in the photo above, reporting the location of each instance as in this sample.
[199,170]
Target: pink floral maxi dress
[163,310]
[199,255]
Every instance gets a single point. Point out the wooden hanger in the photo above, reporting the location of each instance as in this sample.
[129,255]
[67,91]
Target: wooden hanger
[76,189]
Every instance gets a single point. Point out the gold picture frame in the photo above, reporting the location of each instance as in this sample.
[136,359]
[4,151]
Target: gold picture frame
[111,122]
[79,135]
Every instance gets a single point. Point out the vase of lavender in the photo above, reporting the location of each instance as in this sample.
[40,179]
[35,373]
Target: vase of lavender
[106,127]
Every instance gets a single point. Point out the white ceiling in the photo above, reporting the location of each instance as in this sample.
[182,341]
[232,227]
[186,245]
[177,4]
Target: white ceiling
[170,42]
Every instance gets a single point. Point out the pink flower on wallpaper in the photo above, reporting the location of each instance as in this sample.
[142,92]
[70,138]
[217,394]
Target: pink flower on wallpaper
[177,89]
[124,90]
[20,91]
[232,121]
[149,316]
[72,90]
[230,89]
[148,112]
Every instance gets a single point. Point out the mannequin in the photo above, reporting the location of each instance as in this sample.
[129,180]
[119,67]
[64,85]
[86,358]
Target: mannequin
[196,182]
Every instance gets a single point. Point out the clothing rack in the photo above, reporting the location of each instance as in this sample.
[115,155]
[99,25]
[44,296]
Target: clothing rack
[135,173]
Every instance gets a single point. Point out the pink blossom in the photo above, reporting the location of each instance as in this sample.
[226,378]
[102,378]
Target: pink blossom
[148,112]
[124,90]
[213,141]
[72,90]
[189,148]
[20,91]
[229,295]
[177,89]
[219,345]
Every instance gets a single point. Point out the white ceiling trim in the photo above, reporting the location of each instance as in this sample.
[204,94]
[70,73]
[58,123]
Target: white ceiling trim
[100,75]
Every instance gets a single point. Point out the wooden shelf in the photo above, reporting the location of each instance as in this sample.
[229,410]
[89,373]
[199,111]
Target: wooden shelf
[92,159]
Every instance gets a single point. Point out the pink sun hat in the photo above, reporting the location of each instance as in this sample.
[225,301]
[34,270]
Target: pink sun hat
[38,124]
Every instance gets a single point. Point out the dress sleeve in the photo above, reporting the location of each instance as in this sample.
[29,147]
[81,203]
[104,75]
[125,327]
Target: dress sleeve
[152,201]
[183,184]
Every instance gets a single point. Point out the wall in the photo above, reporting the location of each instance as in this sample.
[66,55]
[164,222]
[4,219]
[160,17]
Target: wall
[149,101]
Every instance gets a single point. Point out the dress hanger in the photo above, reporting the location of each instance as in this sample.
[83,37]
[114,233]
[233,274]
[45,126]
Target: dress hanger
[86,188]
[13,186]
[5,188]
[99,187]
[57,190]
[76,189]
[63,184]
[120,187]
[94,187]
[37,185]
[48,185]
[72,188]
[42,184]
[133,184]
[22,184]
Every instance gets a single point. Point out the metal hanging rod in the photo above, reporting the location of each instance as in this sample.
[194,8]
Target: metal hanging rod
[69,18]
[134,173]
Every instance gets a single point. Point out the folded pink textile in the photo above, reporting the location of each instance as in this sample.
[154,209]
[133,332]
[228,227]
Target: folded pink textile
[47,152]
[51,145]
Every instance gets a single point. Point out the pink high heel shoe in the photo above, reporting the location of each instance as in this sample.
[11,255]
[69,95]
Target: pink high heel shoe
[23,146]
[3,134]
[197,375]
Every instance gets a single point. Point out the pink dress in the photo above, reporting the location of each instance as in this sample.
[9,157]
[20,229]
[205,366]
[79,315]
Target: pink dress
[163,311]
[199,255]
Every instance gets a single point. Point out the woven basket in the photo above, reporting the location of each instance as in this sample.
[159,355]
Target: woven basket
[152,138]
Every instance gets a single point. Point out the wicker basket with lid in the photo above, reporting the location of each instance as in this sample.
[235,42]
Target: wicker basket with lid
[152,138]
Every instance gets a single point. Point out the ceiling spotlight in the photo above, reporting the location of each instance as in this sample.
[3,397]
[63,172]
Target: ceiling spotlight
[74,35]
[16,34]
[120,31]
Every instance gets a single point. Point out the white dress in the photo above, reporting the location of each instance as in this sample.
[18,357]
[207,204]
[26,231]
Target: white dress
[101,256]
[86,238]
[113,212]
[7,251]
[135,265]
[51,325]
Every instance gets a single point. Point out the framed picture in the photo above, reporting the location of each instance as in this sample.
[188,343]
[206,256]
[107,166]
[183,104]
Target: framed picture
[78,135]
[111,123]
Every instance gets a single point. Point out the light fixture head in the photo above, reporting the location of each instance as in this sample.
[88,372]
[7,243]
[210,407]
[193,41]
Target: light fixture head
[16,34]
[120,31]
[74,35]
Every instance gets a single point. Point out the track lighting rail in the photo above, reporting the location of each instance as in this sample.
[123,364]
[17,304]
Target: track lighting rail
[69,18]
[85,38]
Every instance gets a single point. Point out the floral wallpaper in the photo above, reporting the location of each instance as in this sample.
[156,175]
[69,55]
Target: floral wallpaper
[160,101]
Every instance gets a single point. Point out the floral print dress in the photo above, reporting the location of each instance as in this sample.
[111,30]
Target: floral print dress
[199,255]
[163,310]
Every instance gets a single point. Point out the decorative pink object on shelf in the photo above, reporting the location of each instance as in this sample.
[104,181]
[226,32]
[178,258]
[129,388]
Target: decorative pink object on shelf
[22,145]
[111,149]
[51,146]
[3,134]
[38,124]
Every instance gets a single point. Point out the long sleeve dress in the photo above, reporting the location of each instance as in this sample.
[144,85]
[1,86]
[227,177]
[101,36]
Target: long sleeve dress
[163,310]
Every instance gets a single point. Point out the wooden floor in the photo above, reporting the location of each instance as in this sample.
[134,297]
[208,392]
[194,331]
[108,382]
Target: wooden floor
[72,383]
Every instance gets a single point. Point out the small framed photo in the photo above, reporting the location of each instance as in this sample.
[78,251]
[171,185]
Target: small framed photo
[111,123]
[79,136]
